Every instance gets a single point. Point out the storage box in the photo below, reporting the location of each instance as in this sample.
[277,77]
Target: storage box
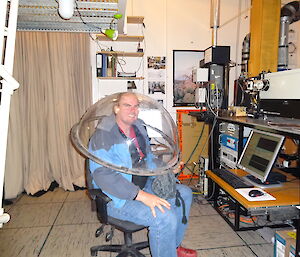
[292,252]
[285,243]
[189,130]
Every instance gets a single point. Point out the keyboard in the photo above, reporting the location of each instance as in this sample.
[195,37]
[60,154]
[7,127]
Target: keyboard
[231,179]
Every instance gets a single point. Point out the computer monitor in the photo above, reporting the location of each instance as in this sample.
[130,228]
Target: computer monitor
[260,153]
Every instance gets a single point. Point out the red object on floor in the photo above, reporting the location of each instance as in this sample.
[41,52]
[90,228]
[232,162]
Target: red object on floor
[185,252]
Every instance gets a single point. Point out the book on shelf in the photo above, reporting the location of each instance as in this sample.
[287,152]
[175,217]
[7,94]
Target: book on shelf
[114,66]
[106,65]
[98,65]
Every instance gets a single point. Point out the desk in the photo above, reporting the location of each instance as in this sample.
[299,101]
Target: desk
[284,126]
[287,198]
[277,125]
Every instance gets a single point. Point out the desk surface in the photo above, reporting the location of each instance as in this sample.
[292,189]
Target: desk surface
[287,195]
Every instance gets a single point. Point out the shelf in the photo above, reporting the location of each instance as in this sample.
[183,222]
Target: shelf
[126,54]
[122,78]
[123,38]
[135,19]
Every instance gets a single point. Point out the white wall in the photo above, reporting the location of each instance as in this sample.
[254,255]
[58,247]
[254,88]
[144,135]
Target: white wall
[185,25]
[294,45]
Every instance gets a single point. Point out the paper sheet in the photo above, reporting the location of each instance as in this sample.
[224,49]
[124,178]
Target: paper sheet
[245,193]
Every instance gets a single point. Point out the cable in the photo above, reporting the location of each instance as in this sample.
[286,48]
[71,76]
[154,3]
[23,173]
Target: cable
[89,25]
[243,92]
[208,104]
[197,143]
[212,193]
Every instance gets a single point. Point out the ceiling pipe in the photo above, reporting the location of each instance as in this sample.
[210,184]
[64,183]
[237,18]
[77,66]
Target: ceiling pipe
[245,55]
[214,19]
[289,13]
[291,10]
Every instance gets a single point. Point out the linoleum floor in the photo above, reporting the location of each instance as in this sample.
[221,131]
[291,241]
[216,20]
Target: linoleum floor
[61,224]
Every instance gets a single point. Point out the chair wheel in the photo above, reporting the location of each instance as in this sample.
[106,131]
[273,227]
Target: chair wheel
[109,236]
[98,232]
[94,253]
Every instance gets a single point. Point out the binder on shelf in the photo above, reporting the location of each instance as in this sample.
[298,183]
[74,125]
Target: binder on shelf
[104,65]
[98,65]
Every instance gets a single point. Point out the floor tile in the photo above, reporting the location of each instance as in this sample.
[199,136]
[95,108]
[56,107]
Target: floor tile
[57,195]
[72,241]
[251,237]
[22,242]
[75,224]
[210,232]
[76,213]
[211,240]
[8,204]
[200,199]
[241,251]
[202,209]
[7,207]
[32,215]
[263,250]
[212,223]
[79,195]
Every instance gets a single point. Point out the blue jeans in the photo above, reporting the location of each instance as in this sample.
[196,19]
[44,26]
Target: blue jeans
[166,231]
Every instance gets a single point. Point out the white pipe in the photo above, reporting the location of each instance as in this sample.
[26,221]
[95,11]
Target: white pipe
[12,83]
[6,93]
[214,19]
[3,8]
[11,36]
[9,84]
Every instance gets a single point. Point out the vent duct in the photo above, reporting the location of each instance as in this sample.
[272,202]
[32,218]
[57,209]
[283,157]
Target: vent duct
[289,13]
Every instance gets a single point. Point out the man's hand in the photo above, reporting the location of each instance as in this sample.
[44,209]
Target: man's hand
[178,168]
[152,201]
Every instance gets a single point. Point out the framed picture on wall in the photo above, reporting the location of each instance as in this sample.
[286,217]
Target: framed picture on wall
[184,61]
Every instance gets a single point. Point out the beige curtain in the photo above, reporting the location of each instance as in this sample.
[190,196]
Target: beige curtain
[54,73]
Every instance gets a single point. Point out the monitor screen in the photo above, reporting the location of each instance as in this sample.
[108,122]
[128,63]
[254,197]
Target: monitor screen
[260,153]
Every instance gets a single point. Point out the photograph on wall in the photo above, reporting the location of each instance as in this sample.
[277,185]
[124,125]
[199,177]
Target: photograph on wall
[156,87]
[184,61]
[156,62]
[157,76]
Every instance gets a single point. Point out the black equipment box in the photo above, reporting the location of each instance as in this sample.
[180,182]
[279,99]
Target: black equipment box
[216,55]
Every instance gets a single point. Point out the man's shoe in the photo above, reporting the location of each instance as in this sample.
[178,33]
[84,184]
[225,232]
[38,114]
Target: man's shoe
[185,252]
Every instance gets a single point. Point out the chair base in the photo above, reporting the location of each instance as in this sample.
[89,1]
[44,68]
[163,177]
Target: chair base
[123,250]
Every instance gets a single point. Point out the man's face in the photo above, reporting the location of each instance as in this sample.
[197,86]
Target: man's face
[128,110]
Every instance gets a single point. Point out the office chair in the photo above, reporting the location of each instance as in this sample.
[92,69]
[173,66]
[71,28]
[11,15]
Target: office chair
[128,228]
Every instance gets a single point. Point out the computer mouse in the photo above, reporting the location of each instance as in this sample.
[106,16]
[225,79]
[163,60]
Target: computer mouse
[255,193]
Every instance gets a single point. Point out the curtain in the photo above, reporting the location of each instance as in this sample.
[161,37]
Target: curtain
[54,73]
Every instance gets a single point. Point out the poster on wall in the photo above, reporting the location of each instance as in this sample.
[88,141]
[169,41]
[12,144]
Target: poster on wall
[184,61]
[156,75]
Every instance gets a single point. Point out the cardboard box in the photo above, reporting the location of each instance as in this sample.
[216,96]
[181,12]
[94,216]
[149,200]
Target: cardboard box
[285,243]
[189,130]
[292,252]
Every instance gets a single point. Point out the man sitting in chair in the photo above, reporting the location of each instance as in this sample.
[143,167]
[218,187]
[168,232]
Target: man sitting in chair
[132,196]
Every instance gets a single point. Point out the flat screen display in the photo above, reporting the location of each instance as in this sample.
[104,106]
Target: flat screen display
[260,153]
